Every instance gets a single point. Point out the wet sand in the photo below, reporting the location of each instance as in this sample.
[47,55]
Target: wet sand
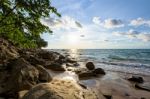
[113,84]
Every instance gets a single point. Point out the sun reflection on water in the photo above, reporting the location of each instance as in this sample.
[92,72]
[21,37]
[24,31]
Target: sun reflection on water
[73,53]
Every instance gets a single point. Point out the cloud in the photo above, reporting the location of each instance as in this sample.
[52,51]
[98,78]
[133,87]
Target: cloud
[145,37]
[131,34]
[139,22]
[113,23]
[64,22]
[96,20]
[108,23]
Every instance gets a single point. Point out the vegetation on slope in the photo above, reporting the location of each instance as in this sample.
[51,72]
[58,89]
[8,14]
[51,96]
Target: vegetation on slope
[20,21]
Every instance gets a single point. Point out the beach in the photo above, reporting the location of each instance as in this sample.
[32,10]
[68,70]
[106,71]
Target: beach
[49,74]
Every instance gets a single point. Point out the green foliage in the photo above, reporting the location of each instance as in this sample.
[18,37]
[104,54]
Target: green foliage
[20,21]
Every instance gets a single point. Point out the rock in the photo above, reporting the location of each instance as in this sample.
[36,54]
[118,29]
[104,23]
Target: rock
[86,74]
[143,86]
[90,66]
[98,71]
[35,60]
[143,98]
[7,51]
[69,60]
[44,75]
[22,93]
[20,75]
[56,67]
[72,65]
[47,55]
[137,79]
[59,89]
[76,64]
[69,64]
[108,96]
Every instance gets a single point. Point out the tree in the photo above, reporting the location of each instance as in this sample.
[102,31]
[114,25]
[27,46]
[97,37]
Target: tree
[20,21]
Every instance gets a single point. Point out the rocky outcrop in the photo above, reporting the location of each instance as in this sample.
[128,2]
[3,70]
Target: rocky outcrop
[59,89]
[7,52]
[24,71]
[20,75]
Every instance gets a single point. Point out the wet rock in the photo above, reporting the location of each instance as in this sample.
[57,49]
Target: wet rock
[137,79]
[44,75]
[99,71]
[56,67]
[90,66]
[69,60]
[69,64]
[143,86]
[108,96]
[86,74]
[72,64]
[76,64]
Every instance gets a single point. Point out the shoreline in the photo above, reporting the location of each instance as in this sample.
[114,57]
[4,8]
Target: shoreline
[36,73]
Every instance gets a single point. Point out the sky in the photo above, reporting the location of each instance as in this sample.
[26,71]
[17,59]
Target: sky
[99,24]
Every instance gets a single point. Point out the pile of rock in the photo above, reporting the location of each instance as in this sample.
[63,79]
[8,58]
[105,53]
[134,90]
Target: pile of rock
[23,70]
[91,71]
[139,82]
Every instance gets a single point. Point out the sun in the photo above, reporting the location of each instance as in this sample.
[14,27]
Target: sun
[73,39]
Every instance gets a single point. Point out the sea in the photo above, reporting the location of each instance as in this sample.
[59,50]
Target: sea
[136,61]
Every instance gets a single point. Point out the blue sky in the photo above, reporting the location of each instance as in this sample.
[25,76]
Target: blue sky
[99,24]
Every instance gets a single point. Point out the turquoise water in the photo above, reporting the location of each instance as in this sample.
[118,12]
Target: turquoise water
[123,60]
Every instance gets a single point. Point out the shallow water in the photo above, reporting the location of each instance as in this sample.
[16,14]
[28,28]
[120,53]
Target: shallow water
[124,60]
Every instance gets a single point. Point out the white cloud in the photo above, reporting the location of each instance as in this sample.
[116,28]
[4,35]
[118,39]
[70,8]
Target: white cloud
[108,23]
[96,20]
[64,22]
[131,34]
[139,22]
[145,37]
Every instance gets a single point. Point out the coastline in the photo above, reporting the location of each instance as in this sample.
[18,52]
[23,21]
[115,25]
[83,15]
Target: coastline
[41,74]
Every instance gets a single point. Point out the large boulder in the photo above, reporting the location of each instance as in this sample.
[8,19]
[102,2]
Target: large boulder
[85,74]
[20,75]
[90,66]
[44,75]
[56,67]
[99,71]
[137,79]
[59,89]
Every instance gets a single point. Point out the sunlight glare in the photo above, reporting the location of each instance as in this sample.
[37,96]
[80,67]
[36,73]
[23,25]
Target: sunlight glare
[73,39]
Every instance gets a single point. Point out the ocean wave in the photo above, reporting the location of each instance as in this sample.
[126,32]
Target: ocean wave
[113,57]
[126,64]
